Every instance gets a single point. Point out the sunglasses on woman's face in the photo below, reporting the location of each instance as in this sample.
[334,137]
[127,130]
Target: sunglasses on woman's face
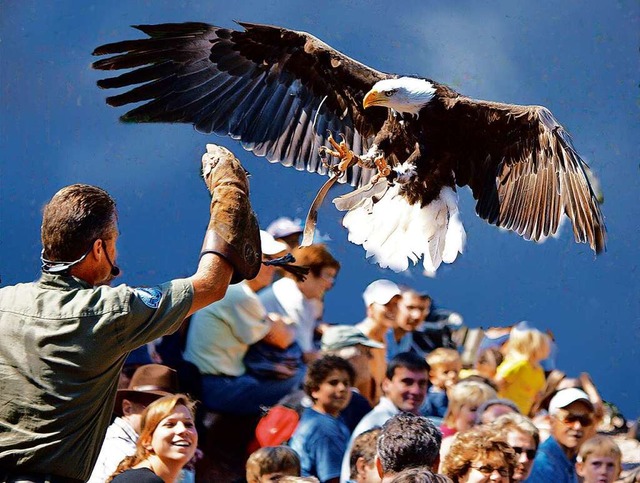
[488,470]
[531,453]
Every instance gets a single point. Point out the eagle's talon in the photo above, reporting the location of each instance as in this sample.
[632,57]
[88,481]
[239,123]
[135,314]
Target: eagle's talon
[341,151]
[383,167]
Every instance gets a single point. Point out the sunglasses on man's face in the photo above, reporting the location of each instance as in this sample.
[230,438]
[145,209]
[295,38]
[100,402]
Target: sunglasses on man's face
[572,418]
[531,453]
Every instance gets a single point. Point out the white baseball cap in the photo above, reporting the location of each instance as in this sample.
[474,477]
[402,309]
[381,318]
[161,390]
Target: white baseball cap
[565,397]
[380,292]
[284,227]
[271,246]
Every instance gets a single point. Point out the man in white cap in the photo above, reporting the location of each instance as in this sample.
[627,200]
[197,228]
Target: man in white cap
[572,423]
[221,333]
[286,230]
[381,301]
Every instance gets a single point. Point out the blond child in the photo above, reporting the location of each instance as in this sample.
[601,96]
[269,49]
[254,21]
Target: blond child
[464,399]
[520,377]
[599,460]
[444,366]
[271,463]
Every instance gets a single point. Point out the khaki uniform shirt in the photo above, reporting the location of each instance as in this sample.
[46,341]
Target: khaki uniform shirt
[62,346]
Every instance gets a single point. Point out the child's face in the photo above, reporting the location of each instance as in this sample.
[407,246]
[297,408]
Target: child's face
[599,469]
[445,375]
[334,393]
[466,417]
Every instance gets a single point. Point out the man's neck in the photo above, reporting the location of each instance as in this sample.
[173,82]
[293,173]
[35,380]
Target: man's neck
[373,330]
[399,333]
[570,453]
[255,285]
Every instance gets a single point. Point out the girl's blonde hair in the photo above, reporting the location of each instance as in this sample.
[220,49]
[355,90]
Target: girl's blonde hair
[466,392]
[151,417]
[528,343]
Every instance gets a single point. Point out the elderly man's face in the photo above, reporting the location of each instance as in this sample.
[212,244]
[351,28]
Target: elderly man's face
[571,426]
[412,310]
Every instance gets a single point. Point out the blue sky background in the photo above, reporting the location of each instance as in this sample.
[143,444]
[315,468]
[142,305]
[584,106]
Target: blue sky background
[578,58]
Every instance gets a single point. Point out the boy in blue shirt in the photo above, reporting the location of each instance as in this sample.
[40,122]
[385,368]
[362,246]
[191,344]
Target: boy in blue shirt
[321,438]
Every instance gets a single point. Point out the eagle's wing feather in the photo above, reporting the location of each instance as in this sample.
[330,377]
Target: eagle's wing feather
[524,171]
[276,90]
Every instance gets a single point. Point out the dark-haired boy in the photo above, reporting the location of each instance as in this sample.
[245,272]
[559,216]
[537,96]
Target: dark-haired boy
[321,438]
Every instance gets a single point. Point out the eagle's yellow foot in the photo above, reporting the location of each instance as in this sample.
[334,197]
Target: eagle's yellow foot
[383,169]
[341,151]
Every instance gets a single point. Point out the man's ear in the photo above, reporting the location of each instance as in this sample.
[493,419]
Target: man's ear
[436,464]
[97,248]
[384,385]
[360,465]
[379,467]
[127,407]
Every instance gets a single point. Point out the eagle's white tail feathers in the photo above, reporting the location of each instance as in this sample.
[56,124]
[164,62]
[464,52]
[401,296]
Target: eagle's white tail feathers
[395,233]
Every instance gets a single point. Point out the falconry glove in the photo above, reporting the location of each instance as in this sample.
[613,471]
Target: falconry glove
[233,230]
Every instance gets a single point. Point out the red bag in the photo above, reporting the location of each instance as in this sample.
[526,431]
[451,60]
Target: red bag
[277,426]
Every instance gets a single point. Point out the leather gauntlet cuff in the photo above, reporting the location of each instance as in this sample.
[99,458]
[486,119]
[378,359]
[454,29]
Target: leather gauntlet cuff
[244,258]
[233,230]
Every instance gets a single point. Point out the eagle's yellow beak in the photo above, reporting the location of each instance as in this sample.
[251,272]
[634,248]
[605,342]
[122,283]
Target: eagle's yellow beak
[372,98]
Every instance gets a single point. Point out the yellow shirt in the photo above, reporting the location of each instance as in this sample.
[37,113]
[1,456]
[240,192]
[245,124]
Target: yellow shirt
[522,381]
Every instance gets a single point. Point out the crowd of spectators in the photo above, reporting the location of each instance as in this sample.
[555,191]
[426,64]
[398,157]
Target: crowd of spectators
[255,387]
[389,398]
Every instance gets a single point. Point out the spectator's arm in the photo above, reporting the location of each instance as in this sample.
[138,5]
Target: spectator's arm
[281,334]
[499,382]
[594,396]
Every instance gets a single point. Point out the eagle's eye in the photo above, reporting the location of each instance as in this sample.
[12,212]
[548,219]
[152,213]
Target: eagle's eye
[390,93]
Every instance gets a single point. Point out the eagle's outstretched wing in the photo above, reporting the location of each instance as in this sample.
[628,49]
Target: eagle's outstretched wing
[276,90]
[524,171]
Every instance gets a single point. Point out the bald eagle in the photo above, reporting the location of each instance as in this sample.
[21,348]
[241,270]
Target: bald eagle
[407,142]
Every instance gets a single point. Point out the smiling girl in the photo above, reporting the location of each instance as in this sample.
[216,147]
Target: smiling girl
[167,442]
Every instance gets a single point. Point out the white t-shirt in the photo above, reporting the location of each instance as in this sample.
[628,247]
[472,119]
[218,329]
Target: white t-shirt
[284,297]
[220,334]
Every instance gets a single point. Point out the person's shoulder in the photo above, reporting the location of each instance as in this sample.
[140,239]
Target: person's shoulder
[545,458]
[138,475]
[511,364]
[376,417]
[152,296]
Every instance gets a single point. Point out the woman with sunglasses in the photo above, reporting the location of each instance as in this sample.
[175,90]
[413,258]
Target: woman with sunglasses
[167,442]
[522,435]
[479,455]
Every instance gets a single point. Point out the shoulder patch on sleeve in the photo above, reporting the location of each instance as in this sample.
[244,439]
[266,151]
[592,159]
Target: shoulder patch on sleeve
[150,296]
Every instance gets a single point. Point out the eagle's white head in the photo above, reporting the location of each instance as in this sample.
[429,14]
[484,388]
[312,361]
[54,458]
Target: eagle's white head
[405,95]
